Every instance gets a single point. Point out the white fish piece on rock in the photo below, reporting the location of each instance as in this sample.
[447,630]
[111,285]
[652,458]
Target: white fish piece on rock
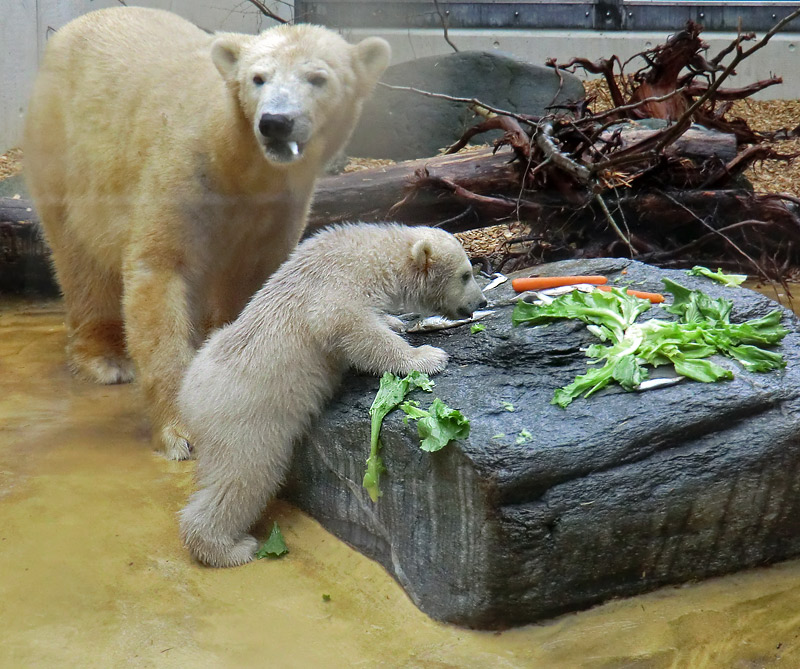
[547,295]
[652,384]
[434,323]
[497,279]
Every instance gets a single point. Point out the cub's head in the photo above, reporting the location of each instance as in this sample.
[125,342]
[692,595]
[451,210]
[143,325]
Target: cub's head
[300,86]
[446,283]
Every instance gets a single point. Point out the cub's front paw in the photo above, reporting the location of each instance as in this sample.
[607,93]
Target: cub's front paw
[174,443]
[429,359]
[394,323]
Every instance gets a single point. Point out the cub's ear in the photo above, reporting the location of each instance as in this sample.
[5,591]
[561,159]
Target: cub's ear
[422,255]
[372,55]
[225,51]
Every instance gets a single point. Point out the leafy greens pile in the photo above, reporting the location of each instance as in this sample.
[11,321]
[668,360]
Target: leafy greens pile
[436,426]
[703,329]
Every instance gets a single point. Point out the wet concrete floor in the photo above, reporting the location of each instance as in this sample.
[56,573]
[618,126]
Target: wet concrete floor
[92,573]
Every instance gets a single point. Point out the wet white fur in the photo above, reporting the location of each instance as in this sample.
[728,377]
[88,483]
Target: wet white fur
[254,387]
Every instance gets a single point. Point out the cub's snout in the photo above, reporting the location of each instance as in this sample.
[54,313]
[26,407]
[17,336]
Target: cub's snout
[467,311]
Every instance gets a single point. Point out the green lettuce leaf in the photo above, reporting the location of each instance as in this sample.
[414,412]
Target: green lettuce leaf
[437,426]
[757,359]
[614,310]
[704,371]
[274,546]
[391,393]
[719,275]
[621,365]
[693,306]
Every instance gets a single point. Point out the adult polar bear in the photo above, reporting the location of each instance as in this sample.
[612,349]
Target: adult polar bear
[173,171]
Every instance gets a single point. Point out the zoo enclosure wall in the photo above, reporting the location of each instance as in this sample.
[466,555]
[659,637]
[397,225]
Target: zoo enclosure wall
[530,29]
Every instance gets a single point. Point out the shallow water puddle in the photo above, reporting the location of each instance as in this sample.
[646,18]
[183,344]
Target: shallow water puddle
[92,572]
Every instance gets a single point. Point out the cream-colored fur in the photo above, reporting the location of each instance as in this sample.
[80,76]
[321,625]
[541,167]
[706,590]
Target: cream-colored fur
[256,384]
[173,172]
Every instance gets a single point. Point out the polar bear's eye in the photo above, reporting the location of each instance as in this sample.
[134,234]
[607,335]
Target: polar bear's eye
[318,79]
[258,80]
[466,276]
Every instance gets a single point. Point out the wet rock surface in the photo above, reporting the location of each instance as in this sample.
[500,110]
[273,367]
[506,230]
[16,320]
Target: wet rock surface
[403,125]
[615,495]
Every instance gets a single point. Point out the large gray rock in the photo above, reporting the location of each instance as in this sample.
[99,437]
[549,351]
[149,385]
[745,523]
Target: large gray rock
[403,125]
[615,495]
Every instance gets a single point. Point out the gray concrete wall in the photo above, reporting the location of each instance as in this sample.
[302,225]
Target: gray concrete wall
[781,56]
[26,24]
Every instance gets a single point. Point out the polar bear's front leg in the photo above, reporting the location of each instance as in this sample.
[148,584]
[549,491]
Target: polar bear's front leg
[371,346]
[161,340]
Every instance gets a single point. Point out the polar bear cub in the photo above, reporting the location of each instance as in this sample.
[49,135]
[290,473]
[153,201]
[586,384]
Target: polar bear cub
[254,387]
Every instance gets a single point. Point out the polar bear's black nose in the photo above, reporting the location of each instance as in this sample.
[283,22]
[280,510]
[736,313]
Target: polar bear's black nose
[275,126]
[482,303]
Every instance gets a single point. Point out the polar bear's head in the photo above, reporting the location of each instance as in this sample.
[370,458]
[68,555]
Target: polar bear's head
[447,285]
[301,87]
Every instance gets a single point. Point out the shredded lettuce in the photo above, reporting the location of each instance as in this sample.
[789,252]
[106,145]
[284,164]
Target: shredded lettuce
[391,393]
[524,437]
[703,329]
[719,275]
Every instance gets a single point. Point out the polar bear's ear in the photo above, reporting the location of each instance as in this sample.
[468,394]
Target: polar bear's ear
[374,54]
[422,254]
[225,52]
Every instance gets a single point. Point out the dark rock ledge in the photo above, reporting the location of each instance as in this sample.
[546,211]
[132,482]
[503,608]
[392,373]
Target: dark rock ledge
[614,496]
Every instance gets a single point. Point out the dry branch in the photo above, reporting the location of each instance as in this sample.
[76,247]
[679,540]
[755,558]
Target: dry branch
[266,11]
[579,158]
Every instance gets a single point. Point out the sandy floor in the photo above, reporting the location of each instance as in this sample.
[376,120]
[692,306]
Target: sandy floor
[92,572]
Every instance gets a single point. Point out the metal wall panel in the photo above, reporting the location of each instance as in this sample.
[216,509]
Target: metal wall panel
[537,14]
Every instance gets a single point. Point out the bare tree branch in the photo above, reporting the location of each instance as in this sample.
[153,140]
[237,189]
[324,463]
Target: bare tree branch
[544,140]
[266,11]
[522,118]
[682,123]
[445,22]
[604,208]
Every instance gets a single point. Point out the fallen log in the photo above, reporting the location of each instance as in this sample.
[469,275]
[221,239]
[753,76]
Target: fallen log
[374,194]
[481,188]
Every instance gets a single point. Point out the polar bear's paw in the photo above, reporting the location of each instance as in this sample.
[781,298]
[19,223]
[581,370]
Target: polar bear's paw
[429,359]
[242,552]
[175,444]
[223,553]
[105,369]
[394,323]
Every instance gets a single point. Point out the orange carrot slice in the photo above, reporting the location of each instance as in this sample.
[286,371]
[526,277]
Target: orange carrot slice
[544,282]
[655,298]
